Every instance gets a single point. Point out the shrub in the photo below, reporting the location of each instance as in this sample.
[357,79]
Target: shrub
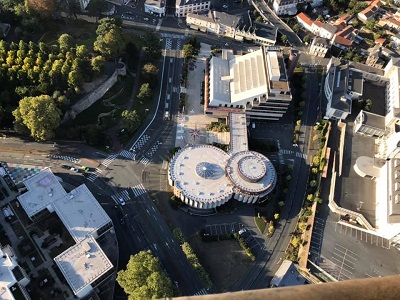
[281,203]
[178,235]
[276,216]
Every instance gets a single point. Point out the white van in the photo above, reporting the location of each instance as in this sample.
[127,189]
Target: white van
[166,106]
[168,97]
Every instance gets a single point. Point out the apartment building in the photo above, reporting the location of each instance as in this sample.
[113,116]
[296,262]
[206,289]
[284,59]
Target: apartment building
[342,86]
[286,7]
[156,7]
[319,47]
[184,7]
[232,26]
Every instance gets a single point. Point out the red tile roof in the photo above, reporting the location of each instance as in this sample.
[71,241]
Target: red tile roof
[346,31]
[304,18]
[380,41]
[318,23]
[343,41]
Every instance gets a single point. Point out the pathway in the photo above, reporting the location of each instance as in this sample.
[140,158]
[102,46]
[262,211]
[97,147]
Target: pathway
[112,132]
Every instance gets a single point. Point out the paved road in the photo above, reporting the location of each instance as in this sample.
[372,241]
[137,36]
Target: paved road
[282,27]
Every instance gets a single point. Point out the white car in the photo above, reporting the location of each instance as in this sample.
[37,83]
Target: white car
[121,201]
[243,230]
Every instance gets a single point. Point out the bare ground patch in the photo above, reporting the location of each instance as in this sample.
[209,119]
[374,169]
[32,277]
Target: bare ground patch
[225,261]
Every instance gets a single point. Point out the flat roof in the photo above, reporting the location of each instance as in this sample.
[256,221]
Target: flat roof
[266,31]
[287,275]
[219,83]
[238,132]
[199,173]
[83,263]
[81,213]
[373,120]
[156,3]
[225,19]
[356,80]
[249,78]
[7,278]
[43,189]
[251,172]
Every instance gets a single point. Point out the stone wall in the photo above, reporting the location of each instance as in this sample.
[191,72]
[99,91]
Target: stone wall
[95,95]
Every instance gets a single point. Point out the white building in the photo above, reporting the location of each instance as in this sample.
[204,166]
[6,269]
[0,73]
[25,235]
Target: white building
[156,7]
[184,7]
[85,220]
[255,83]
[204,176]
[319,47]
[233,27]
[13,278]
[286,7]
[342,86]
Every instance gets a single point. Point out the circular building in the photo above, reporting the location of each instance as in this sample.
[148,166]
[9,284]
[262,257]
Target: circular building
[205,176]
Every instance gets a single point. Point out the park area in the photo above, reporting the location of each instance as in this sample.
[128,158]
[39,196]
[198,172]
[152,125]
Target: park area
[225,261]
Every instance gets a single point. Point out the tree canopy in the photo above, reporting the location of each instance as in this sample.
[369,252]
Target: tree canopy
[42,8]
[30,70]
[145,92]
[152,45]
[149,74]
[39,115]
[144,278]
[130,120]
[110,39]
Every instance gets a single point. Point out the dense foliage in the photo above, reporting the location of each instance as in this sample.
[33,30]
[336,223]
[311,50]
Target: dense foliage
[144,278]
[30,70]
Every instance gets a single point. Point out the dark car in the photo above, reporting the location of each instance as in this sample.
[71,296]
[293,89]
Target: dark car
[66,167]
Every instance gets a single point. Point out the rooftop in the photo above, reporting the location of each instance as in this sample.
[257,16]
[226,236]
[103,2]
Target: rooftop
[43,189]
[7,278]
[199,172]
[83,263]
[248,76]
[304,18]
[156,3]
[219,87]
[81,213]
[238,133]
[287,275]
[266,31]
[189,2]
[226,19]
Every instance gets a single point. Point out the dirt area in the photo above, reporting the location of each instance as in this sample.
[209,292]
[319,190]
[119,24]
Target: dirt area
[224,261]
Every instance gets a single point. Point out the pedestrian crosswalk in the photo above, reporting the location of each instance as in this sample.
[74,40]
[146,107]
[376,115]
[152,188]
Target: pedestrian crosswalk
[145,160]
[140,143]
[93,176]
[301,155]
[153,149]
[201,292]
[168,44]
[285,151]
[124,195]
[138,190]
[109,159]
[128,154]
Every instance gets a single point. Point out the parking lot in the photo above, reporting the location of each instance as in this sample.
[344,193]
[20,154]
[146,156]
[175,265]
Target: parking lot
[316,237]
[362,235]
[345,260]
[230,228]
[222,229]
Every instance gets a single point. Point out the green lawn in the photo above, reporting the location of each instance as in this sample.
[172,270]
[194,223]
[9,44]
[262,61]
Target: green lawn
[261,225]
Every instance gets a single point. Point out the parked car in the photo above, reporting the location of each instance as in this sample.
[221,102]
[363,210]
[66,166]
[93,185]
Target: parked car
[66,167]
[74,170]
[243,230]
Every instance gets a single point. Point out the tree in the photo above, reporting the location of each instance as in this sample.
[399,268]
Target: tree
[259,19]
[152,45]
[82,52]
[276,216]
[66,42]
[75,79]
[296,27]
[149,73]
[284,39]
[320,18]
[43,8]
[188,51]
[111,43]
[306,39]
[144,278]
[313,183]
[39,115]
[310,197]
[130,120]
[96,8]
[144,92]
[371,24]
[97,64]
